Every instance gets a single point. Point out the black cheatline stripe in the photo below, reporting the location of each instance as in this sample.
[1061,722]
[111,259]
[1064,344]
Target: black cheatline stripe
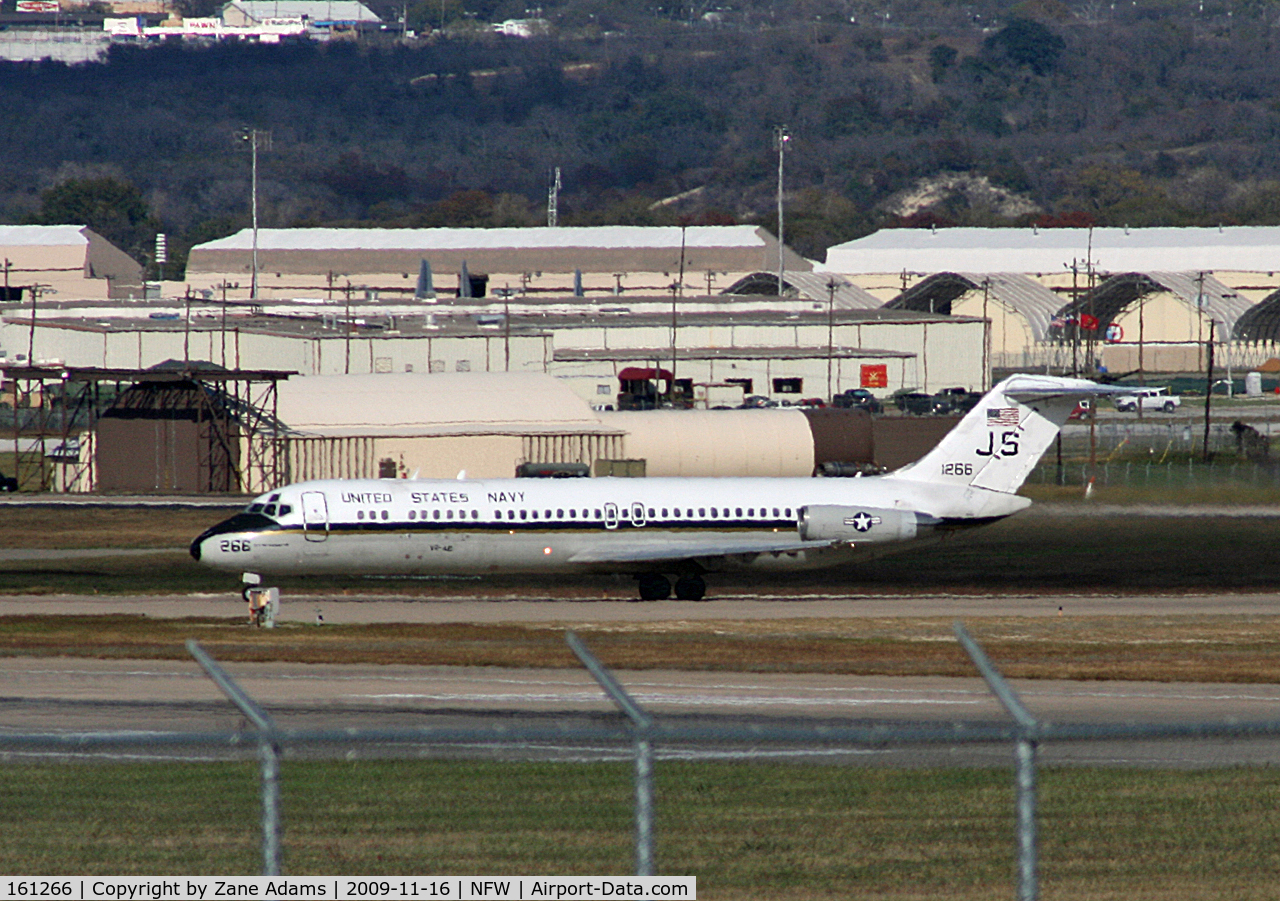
[704,525]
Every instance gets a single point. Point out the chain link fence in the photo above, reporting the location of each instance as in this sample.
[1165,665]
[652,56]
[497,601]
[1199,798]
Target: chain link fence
[778,833]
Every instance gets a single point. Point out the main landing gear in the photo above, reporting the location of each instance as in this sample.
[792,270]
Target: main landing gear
[657,587]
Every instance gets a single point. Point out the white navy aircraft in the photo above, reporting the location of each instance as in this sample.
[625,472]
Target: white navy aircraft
[654,528]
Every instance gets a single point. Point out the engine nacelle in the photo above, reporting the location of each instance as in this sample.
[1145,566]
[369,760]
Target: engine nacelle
[863,525]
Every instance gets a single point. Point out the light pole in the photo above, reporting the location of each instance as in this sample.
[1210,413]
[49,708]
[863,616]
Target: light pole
[256,139]
[781,136]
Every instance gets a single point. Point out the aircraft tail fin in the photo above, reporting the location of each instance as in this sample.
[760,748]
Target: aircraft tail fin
[997,444]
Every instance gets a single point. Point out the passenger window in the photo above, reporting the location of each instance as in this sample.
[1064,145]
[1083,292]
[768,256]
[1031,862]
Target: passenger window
[475,514]
[533,513]
[775,511]
[435,514]
[702,511]
[598,514]
[548,516]
[651,513]
[713,512]
[524,514]
[413,514]
[511,514]
[664,512]
[386,514]
[359,514]
[737,511]
[448,514]
[573,514]
[559,514]
[788,513]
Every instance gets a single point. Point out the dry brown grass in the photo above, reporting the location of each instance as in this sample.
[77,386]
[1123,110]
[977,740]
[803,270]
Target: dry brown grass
[1198,649]
[94,527]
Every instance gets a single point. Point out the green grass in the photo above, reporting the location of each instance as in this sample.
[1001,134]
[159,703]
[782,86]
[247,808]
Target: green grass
[745,830]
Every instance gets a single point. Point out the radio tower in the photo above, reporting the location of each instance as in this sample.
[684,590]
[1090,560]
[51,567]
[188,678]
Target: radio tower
[553,198]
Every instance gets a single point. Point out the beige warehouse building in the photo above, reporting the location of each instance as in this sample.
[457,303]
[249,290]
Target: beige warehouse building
[63,262]
[333,263]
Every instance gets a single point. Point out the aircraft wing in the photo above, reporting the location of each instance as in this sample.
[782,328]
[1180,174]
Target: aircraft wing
[668,549]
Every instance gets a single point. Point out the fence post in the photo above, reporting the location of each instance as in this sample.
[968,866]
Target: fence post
[1025,763]
[641,722]
[268,755]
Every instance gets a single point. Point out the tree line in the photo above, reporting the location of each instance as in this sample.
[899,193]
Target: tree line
[1143,120]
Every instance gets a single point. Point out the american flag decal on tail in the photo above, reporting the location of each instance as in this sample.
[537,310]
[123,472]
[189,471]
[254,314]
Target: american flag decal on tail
[1002,416]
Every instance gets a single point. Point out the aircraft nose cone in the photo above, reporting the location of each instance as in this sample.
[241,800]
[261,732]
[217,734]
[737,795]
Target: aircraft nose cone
[195,547]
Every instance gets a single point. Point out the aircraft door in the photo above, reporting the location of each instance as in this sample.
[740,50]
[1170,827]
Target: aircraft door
[637,515]
[610,516]
[315,516]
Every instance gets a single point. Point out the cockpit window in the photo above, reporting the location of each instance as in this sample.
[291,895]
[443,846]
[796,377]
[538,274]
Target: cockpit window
[256,508]
[269,509]
[285,509]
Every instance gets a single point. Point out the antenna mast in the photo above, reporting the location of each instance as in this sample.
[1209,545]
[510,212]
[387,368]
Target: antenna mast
[553,200]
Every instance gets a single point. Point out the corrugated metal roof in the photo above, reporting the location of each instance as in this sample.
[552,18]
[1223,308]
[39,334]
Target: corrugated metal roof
[663,354]
[407,404]
[848,296]
[1240,248]
[1222,303]
[1013,290]
[42,235]
[429,239]
[317,11]
[1025,296]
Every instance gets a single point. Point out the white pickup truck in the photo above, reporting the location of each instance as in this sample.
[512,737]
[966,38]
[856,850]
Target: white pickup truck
[1150,398]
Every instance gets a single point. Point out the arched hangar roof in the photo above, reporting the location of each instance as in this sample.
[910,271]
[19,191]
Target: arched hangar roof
[1261,322]
[1197,290]
[1015,291]
[815,286]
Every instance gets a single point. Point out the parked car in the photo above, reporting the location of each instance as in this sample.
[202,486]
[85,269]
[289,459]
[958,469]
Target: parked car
[954,400]
[1150,398]
[858,399]
[909,400]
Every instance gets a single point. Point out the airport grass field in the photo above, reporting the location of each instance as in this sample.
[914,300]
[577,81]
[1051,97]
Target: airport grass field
[747,831]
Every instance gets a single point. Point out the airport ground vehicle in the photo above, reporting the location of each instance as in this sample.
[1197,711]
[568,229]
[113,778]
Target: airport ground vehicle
[1150,398]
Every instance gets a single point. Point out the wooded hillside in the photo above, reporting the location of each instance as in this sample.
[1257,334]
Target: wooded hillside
[1153,120]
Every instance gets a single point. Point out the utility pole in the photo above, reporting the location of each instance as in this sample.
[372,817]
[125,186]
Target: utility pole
[781,136]
[671,389]
[1208,389]
[986,335]
[186,332]
[831,329]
